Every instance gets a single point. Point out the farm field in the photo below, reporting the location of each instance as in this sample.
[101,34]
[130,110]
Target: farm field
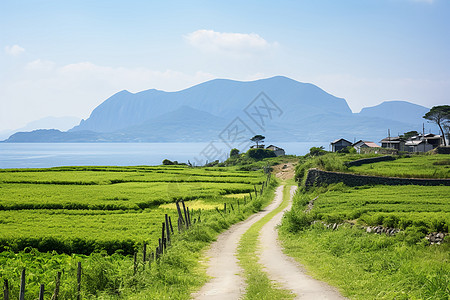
[374,266]
[391,206]
[415,166]
[101,215]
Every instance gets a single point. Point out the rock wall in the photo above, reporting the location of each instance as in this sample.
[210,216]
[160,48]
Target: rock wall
[319,177]
[370,160]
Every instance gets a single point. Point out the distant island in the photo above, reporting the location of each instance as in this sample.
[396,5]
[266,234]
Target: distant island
[304,112]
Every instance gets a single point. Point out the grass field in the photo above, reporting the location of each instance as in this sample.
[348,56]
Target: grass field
[366,265]
[101,215]
[415,166]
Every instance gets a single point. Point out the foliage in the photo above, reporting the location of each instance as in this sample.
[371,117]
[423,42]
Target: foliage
[409,134]
[317,151]
[348,149]
[327,162]
[439,115]
[259,153]
[257,139]
[234,152]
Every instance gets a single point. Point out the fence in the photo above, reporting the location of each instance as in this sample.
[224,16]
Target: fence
[185,222]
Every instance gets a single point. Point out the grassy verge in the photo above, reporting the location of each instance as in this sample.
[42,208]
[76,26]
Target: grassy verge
[259,286]
[366,266]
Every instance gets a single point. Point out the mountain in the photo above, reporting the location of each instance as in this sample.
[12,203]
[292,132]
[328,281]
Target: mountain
[397,110]
[59,123]
[280,108]
[219,97]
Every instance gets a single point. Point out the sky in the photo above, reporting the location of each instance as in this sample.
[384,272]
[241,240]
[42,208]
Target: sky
[63,58]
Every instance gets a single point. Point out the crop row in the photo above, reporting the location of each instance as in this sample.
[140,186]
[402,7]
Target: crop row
[398,206]
[133,195]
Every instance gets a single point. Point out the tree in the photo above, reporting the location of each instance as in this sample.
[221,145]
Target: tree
[258,138]
[234,152]
[317,151]
[409,134]
[439,115]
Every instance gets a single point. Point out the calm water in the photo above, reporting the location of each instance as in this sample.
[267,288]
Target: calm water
[37,155]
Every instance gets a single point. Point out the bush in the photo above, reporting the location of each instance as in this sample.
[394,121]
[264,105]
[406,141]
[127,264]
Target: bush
[167,162]
[259,153]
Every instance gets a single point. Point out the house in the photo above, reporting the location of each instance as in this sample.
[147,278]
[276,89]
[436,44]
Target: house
[339,144]
[434,140]
[278,151]
[395,142]
[418,146]
[364,144]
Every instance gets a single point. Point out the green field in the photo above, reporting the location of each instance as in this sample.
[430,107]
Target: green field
[415,166]
[100,216]
[367,265]
[398,206]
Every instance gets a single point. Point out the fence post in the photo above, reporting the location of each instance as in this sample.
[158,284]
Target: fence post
[144,253]
[79,281]
[232,208]
[58,282]
[185,214]
[41,292]
[224,208]
[188,216]
[180,215]
[250,196]
[167,228]
[6,289]
[163,238]
[256,193]
[135,263]
[22,286]
[239,210]
[170,223]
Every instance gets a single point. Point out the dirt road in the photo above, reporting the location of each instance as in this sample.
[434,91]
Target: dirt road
[227,282]
[284,269]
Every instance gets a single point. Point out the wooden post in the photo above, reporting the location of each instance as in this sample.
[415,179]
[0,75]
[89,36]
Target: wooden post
[167,228]
[22,286]
[256,193]
[188,216]
[224,208]
[41,292]
[179,225]
[144,253]
[238,206]
[185,214]
[170,223]
[232,208]
[5,289]
[163,238]
[58,282]
[135,263]
[180,215]
[250,196]
[79,281]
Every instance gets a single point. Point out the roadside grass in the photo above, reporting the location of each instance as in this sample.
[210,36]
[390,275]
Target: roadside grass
[259,286]
[371,266]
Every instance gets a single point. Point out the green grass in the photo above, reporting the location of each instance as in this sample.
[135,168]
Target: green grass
[416,166]
[259,286]
[392,206]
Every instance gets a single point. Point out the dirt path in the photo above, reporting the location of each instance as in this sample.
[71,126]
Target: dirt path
[227,282]
[284,269]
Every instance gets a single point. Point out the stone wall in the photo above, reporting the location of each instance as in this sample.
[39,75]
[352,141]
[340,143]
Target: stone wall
[319,177]
[369,160]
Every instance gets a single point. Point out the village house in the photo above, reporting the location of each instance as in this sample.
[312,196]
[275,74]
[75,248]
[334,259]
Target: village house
[339,144]
[278,151]
[364,144]
[395,142]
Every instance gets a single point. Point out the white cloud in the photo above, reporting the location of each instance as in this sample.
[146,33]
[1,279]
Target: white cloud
[225,42]
[14,50]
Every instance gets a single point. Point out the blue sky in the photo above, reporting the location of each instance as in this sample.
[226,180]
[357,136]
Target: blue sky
[63,58]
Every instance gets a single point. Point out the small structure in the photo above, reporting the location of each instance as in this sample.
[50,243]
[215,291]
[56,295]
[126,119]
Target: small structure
[257,147]
[395,142]
[418,146]
[434,140]
[364,144]
[278,151]
[339,144]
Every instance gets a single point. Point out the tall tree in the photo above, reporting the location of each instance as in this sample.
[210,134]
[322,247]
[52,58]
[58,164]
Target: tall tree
[258,138]
[439,115]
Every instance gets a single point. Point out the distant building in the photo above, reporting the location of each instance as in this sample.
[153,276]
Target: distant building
[339,144]
[395,142]
[278,151]
[257,147]
[364,144]
[418,146]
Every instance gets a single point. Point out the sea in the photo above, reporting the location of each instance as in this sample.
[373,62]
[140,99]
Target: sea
[45,155]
